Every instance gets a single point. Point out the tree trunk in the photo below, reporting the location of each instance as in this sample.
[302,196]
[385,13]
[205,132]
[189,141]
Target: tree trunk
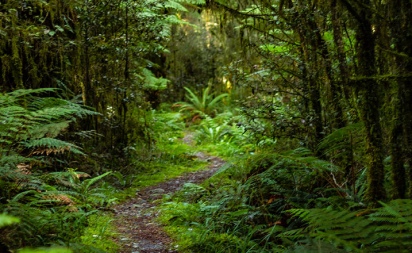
[401,144]
[369,103]
[368,97]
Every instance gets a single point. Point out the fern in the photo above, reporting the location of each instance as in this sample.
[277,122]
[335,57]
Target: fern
[213,132]
[200,105]
[291,170]
[175,5]
[344,144]
[151,82]
[194,2]
[395,227]
[50,146]
[385,229]
[31,122]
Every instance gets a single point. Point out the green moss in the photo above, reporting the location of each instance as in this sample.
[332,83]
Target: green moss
[165,171]
[100,233]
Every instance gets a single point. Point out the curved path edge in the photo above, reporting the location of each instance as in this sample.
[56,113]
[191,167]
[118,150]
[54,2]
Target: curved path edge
[136,218]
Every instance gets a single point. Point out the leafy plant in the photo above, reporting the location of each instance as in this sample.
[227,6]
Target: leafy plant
[384,229]
[210,131]
[75,185]
[6,220]
[198,106]
[52,207]
[31,123]
[242,208]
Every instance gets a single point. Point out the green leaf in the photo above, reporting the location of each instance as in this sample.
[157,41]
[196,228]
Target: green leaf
[6,220]
[45,250]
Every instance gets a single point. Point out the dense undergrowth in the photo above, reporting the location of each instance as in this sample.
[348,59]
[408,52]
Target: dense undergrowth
[283,202]
[54,208]
[275,195]
[272,195]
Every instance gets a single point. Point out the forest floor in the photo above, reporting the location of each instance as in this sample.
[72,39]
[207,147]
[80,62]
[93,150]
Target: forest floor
[136,219]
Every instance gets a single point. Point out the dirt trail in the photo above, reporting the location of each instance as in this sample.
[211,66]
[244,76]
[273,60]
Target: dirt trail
[136,218]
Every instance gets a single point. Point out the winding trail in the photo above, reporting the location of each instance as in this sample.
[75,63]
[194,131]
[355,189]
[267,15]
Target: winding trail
[136,218]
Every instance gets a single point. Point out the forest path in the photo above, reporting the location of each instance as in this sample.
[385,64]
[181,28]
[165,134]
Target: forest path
[136,218]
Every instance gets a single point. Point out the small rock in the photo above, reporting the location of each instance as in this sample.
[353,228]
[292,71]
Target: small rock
[157,191]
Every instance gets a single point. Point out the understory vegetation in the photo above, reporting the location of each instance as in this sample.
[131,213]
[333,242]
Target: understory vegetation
[268,198]
[309,102]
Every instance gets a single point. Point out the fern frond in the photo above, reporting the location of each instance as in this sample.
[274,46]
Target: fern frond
[89,182]
[197,103]
[25,92]
[398,212]
[192,2]
[51,146]
[341,228]
[343,142]
[386,229]
[21,195]
[217,99]
[49,130]
[151,82]
[175,5]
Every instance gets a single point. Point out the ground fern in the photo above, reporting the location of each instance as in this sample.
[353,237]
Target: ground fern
[384,229]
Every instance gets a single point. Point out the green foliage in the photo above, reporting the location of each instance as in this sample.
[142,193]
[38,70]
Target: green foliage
[45,250]
[198,106]
[81,189]
[269,120]
[100,233]
[296,170]
[345,145]
[61,210]
[151,82]
[6,220]
[213,132]
[384,229]
[31,123]
[241,208]
[52,207]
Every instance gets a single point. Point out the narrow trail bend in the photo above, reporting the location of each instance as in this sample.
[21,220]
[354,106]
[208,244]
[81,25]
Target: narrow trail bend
[136,218]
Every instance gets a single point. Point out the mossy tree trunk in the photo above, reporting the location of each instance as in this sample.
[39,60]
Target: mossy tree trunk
[401,139]
[368,96]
